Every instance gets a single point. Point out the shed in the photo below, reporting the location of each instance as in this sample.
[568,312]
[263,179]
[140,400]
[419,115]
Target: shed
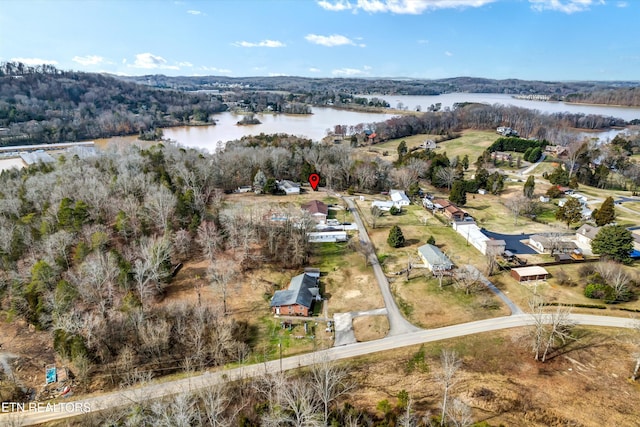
[526,274]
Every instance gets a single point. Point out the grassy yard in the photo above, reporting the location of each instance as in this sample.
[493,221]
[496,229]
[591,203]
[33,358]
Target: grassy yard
[426,305]
[471,143]
[552,291]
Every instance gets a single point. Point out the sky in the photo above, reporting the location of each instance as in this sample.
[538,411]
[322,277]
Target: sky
[556,40]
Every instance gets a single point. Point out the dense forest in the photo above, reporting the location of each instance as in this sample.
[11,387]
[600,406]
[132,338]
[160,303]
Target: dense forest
[399,86]
[88,247]
[628,97]
[45,105]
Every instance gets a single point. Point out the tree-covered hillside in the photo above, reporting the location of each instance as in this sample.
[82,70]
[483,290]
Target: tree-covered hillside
[45,105]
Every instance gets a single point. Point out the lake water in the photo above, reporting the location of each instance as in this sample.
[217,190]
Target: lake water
[315,126]
[448,99]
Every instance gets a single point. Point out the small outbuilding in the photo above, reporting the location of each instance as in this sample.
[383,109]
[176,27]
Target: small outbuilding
[526,274]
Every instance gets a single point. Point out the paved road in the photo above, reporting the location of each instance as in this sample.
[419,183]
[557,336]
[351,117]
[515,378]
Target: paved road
[528,170]
[127,397]
[397,323]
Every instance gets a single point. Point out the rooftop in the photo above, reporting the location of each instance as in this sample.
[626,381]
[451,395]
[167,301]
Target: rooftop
[302,290]
[534,270]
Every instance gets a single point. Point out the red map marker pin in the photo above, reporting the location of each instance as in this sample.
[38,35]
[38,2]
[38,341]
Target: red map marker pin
[314,180]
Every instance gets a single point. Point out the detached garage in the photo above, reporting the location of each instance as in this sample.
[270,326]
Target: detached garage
[525,274]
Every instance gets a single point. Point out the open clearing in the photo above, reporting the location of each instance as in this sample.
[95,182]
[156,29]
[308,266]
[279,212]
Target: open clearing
[586,385]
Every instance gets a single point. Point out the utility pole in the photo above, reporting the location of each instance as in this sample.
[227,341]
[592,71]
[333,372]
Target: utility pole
[280,348]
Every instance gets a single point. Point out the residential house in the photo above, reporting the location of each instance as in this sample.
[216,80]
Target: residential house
[525,274]
[327,236]
[441,204]
[382,205]
[556,150]
[35,157]
[454,213]
[317,210]
[298,299]
[474,235]
[552,245]
[428,204]
[506,131]
[586,234]
[399,198]
[289,187]
[434,259]
[429,144]
[501,155]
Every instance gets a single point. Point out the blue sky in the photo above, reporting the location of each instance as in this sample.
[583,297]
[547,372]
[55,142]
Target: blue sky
[525,39]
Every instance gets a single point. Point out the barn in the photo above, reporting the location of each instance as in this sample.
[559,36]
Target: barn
[526,274]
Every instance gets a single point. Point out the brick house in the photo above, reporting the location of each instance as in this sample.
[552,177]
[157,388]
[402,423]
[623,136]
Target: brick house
[298,299]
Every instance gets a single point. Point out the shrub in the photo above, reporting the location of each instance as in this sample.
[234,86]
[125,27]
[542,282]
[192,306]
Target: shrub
[599,291]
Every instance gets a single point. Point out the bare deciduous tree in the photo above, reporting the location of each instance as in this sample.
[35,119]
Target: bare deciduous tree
[445,176]
[615,276]
[450,364]
[223,274]
[516,205]
[210,239]
[329,381]
[459,413]
[549,329]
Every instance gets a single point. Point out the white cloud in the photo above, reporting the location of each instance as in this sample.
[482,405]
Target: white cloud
[88,60]
[423,41]
[337,6]
[216,70]
[412,7]
[330,41]
[622,4]
[448,53]
[194,12]
[366,68]
[347,72]
[263,43]
[150,61]
[277,75]
[34,61]
[314,70]
[566,6]
[185,64]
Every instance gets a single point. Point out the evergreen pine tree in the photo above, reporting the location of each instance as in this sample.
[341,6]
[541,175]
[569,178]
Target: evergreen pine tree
[529,187]
[458,194]
[606,214]
[396,238]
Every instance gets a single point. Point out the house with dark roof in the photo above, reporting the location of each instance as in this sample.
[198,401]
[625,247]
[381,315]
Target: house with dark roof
[317,210]
[298,299]
[586,234]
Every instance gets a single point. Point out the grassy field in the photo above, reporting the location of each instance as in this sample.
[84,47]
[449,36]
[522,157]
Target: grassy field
[552,291]
[471,143]
[500,380]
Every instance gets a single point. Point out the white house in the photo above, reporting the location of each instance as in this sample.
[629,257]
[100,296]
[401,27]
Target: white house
[382,205]
[327,236]
[289,187]
[433,258]
[586,233]
[399,198]
[472,234]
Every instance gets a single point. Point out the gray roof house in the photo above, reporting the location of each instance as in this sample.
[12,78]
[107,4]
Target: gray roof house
[299,297]
[433,258]
[586,234]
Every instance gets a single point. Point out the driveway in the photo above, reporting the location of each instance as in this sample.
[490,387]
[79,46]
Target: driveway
[513,242]
[398,325]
